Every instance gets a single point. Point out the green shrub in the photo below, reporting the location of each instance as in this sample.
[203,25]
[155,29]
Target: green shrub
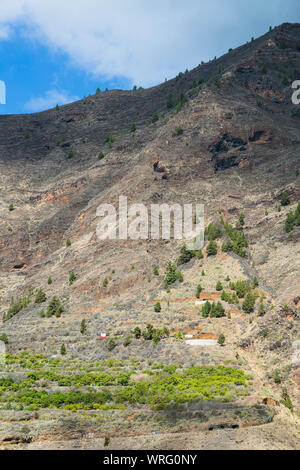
[198,291]
[72,278]
[63,350]
[241,288]
[127,341]
[171,276]
[217,310]
[155,118]
[11,207]
[17,306]
[70,153]
[241,220]
[286,401]
[285,200]
[101,156]
[40,296]
[110,140]
[206,309]
[68,242]
[277,378]
[137,332]
[212,248]
[289,223]
[213,232]
[133,127]
[227,246]
[293,218]
[155,271]
[261,309]
[185,256]
[42,314]
[4,338]
[219,286]
[221,340]
[237,240]
[55,307]
[226,297]
[49,280]
[83,327]
[178,131]
[111,345]
[249,303]
[157,307]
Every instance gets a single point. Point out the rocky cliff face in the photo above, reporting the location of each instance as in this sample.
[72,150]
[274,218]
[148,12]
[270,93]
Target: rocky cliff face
[225,134]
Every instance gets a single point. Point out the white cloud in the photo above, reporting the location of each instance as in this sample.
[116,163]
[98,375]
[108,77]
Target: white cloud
[50,100]
[5,32]
[143,40]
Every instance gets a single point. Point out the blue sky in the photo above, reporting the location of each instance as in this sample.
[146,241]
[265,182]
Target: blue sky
[59,51]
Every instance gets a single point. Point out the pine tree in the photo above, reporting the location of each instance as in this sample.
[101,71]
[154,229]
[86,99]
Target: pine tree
[206,309]
[54,308]
[290,222]
[40,297]
[225,297]
[185,256]
[72,278]
[219,310]
[221,340]
[111,345]
[155,271]
[137,332]
[83,327]
[211,248]
[242,220]
[63,350]
[198,291]
[4,338]
[219,286]
[285,200]
[261,309]
[249,303]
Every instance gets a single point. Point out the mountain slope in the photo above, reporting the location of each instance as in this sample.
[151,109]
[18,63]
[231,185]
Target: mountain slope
[225,134]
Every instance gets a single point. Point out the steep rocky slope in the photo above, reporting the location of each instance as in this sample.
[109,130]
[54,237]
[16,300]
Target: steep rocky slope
[225,134]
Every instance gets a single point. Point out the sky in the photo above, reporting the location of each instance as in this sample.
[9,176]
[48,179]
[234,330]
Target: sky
[55,52]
